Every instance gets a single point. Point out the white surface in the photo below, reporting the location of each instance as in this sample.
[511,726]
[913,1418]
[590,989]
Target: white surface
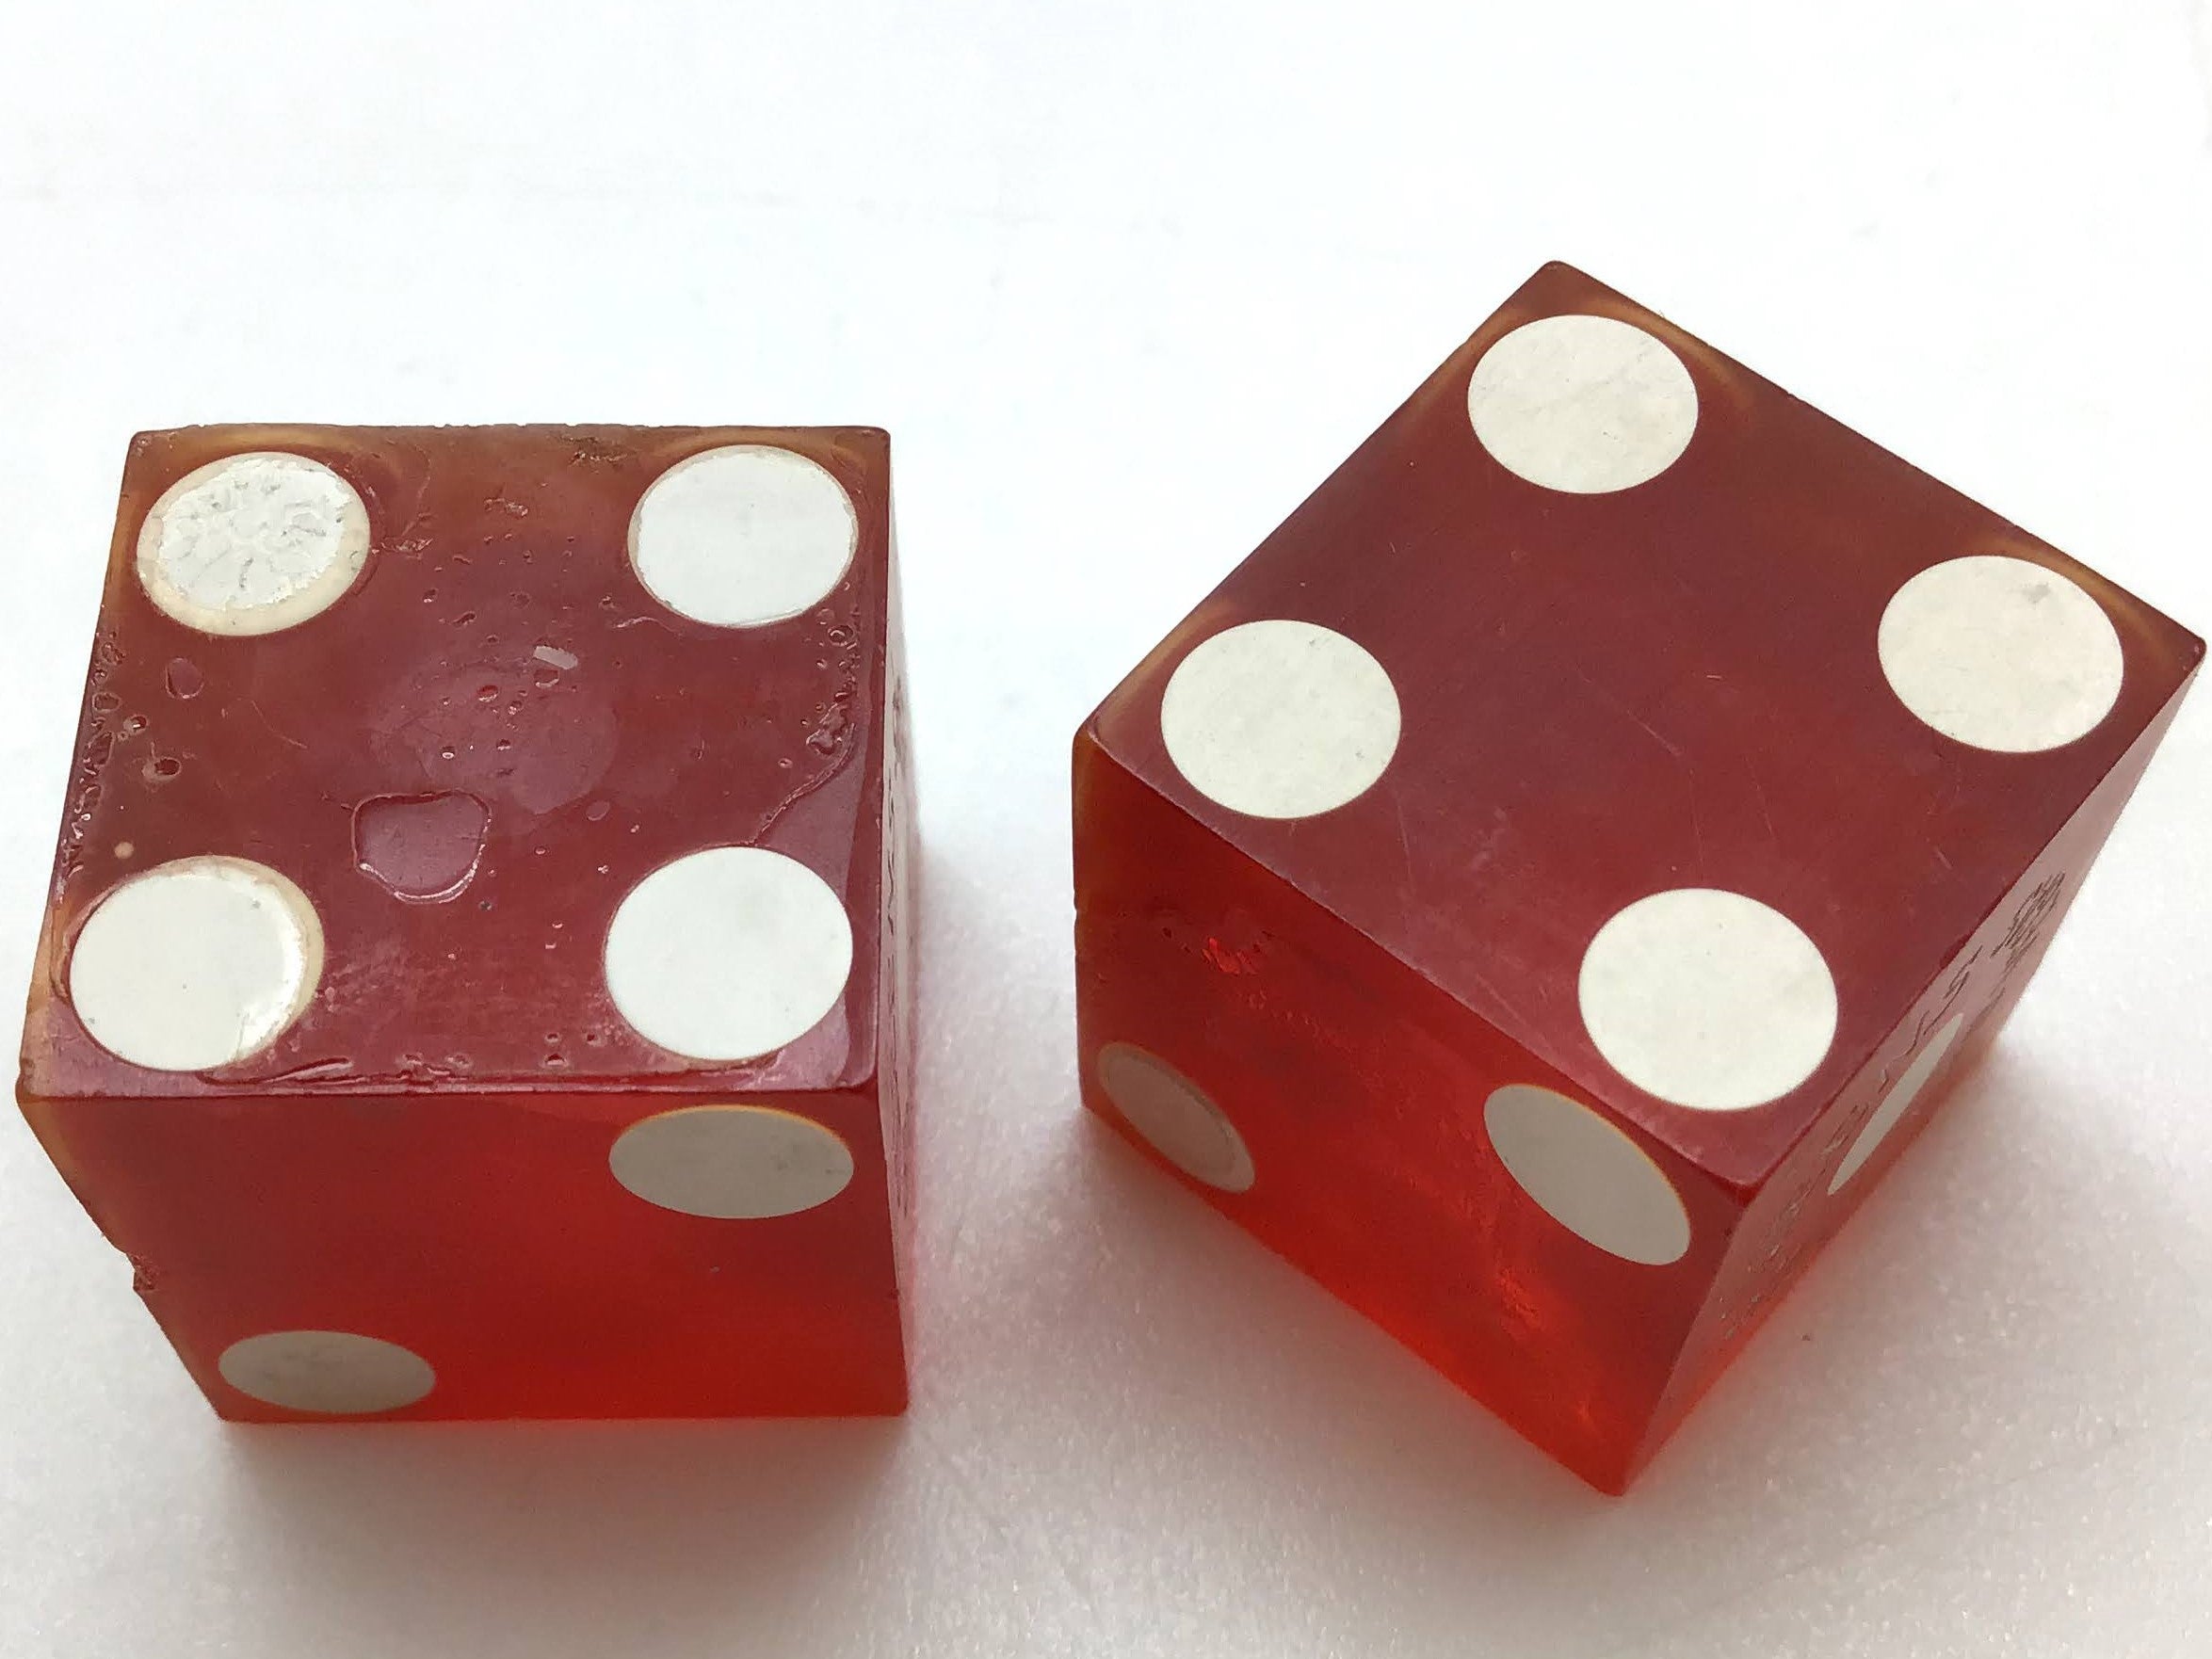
[196,963]
[1586,1173]
[1178,1118]
[728,953]
[1707,998]
[1280,720]
[1895,1103]
[1584,404]
[744,535]
[338,1373]
[2001,652]
[252,543]
[733,1162]
[1125,283]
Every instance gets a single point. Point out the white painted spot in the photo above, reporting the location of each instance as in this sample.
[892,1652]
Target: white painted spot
[1707,999]
[1582,404]
[728,954]
[1585,1174]
[333,1373]
[553,656]
[1898,1102]
[2001,653]
[1280,720]
[732,1163]
[744,535]
[196,963]
[252,543]
[1176,1115]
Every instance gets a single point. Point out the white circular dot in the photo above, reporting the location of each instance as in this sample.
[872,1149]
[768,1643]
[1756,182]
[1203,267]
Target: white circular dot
[2001,653]
[1898,1102]
[196,964]
[1707,999]
[252,543]
[329,1372]
[1585,1174]
[728,954]
[1582,404]
[744,535]
[1175,1115]
[732,1163]
[1280,720]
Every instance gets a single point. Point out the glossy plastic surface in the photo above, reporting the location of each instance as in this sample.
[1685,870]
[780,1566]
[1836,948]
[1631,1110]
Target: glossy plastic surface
[465,764]
[1603,696]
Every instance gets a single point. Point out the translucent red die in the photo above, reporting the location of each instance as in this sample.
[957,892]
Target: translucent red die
[475,979]
[1544,886]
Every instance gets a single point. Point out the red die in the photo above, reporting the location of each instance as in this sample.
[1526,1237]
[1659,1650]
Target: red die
[475,979]
[1541,890]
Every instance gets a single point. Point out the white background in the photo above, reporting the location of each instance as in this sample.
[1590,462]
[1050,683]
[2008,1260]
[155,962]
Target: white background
[1126,281]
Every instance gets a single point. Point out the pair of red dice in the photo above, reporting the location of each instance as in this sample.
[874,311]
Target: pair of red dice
[1536,894]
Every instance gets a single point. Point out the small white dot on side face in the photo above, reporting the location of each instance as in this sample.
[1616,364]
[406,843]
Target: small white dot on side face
[252,543]
[728,954]
[1280,720]
[2001,653]
[1898,1102]
[732,1163]
[743,535]
[1707,998]
[1586,1175]
[1582,404]
[331,1373]
[1174,1114]
[196,964]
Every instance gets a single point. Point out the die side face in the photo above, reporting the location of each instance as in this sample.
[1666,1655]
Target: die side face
[1674,736]
[900,976]
[1355,1094]
[492,957]
[494,1239]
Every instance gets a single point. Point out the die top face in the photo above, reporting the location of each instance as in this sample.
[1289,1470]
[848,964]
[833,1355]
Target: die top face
[1668,725]
[469,758]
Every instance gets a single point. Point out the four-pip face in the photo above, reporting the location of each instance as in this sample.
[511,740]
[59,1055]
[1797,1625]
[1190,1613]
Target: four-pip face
[474,976]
